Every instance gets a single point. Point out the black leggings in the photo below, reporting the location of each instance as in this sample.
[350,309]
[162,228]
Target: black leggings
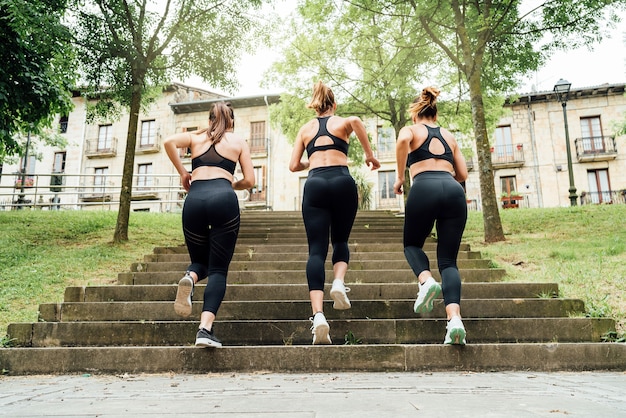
[329,207]
[211,226]
[436,196]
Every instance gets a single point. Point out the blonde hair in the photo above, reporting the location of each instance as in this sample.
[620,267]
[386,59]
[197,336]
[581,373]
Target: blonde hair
[221,119]
[425,105]
[323,98]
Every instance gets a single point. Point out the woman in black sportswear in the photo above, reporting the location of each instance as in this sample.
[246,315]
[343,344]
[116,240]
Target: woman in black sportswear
[330,200]
[436,198]
[211,211]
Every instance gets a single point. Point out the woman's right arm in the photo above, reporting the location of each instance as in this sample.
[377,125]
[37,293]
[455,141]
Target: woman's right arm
[171,145]
[296,163]
[247,168]
[402,151]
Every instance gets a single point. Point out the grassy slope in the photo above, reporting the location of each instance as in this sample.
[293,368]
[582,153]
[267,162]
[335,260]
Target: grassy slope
[41,253]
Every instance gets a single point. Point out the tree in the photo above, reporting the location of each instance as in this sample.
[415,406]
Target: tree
[373,63]
[491,43]
[38,70]
[129,48]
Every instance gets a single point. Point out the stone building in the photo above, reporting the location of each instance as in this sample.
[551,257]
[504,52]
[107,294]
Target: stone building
[529,155]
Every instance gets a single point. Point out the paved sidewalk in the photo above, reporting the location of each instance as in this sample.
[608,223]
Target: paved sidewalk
[510,394]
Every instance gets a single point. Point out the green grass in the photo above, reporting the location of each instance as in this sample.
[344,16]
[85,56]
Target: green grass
[583,249]
[41,253]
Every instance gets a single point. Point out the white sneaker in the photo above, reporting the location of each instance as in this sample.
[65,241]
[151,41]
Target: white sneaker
[338,294]
[320,329]
[428,292]
[182,304]
[456,332]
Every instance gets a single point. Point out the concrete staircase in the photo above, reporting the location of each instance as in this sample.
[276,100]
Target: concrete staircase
[263,322]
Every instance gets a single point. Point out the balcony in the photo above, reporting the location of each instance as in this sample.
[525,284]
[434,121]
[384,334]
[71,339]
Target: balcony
[607,197]
[148,146]
[599,148]
[101,149]
[507,156]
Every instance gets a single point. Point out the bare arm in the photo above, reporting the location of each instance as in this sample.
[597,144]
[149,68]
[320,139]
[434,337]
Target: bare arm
[247,168]
[296,163]
[356,125]
[402,151]
[171,145]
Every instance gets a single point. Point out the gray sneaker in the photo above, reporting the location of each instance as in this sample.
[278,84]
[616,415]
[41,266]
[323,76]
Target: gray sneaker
[205,338]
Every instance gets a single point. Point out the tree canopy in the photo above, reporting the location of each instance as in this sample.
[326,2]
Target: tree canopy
[127,49]
[38,69]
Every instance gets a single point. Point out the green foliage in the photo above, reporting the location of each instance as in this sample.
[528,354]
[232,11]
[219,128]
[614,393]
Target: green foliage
[129,51]
[351,339]
[38,70]
[361,60]
[364,189]
[290,113]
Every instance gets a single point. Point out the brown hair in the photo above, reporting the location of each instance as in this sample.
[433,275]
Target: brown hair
[425,105]
[221,119]
[323,98]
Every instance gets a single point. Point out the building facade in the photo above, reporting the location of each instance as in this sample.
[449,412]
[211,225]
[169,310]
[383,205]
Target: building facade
[528,156]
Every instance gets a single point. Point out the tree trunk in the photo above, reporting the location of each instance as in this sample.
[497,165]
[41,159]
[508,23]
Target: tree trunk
[123,214]
[491,215]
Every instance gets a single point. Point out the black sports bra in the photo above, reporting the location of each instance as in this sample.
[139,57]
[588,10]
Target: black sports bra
[338,143]
[212,158]
[423,153]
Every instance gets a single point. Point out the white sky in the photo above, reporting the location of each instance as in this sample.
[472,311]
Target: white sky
[605,63]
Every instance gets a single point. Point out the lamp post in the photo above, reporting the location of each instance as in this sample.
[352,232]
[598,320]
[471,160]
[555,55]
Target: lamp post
[561,89]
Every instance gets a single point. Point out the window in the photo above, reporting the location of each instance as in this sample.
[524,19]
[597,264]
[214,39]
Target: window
[99,179]
[144,178]
[599,186]
[504,143]
[148,134]
[63,124]
[508,184]
[257,193]
[386,179]
[386,145]
[59,162]
[591,130]
[105,137]
[257,137]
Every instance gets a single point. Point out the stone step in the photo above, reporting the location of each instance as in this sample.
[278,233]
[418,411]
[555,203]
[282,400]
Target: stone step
[282,248]
[242,292]
[540,357]
[298,276]
[303,255]
[292,332]
[260,265]
[274,310]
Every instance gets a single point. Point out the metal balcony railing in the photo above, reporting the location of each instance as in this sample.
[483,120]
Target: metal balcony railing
[507,156]
[598,148]
[609,196]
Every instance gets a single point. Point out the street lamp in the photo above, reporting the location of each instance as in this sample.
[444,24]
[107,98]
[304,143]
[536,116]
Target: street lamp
[561,89]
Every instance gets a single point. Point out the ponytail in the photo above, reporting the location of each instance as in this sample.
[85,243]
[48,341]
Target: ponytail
[323,98]
[221,119]
[425,106]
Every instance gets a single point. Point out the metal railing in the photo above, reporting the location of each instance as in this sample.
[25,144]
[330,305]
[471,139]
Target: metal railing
[609,196]
[56,191]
